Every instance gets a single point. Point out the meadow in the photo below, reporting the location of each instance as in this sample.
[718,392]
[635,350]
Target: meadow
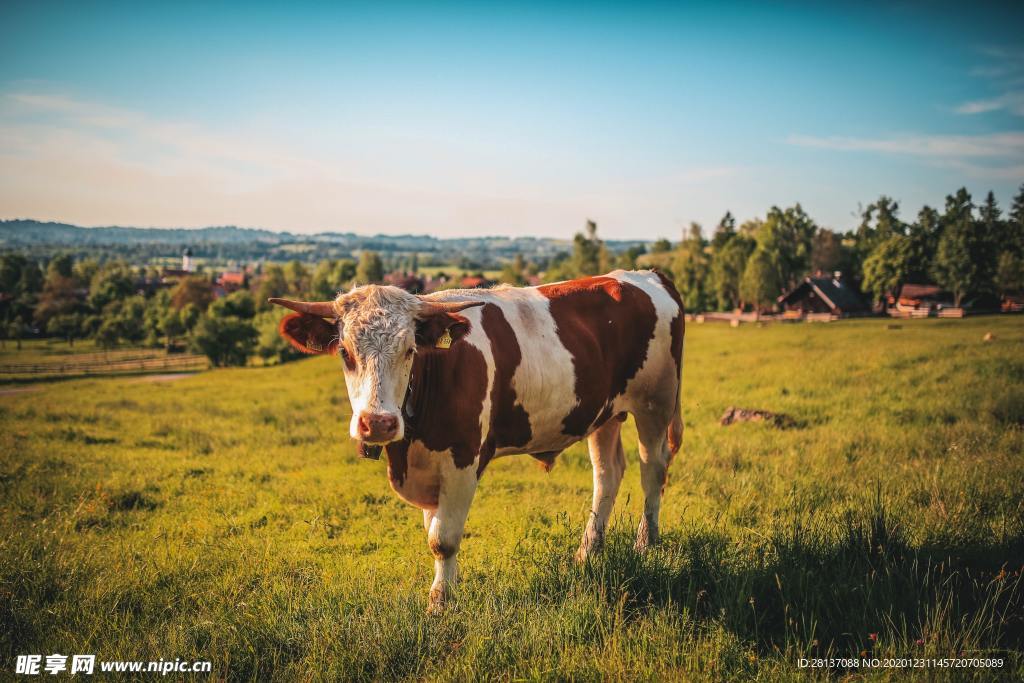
[226,517]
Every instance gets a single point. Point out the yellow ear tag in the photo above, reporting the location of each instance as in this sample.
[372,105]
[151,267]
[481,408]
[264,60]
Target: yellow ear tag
[444,341]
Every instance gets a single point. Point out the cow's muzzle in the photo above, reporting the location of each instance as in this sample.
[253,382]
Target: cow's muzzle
[377,428]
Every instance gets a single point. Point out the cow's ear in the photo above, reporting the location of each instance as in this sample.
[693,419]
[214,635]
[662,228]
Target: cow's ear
[309,333]
[431,328]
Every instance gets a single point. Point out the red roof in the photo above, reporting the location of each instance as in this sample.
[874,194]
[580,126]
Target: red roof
[921,292]
[472,282]
[232,279]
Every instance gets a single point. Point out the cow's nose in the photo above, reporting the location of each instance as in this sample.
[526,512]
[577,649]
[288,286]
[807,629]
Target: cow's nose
[377,427]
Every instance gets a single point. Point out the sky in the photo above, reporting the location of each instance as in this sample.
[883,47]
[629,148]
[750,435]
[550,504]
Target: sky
[502,119]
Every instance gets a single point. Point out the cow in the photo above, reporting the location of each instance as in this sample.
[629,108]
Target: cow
[448,381]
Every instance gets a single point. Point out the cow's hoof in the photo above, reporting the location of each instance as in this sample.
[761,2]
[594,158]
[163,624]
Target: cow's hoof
[436,602]
[646,536]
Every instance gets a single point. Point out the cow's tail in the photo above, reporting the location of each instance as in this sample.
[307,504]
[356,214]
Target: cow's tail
[675,430]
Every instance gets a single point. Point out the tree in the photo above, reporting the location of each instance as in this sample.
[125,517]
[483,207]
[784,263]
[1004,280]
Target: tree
[271,346]
[1017,208]
[1009,276]
[370,268]
[785,237]
[760,285]
[15,330]
[887,267]
[826,252]
[61,294]
[31,280]
[226,333]
[11,265]
[112,282]
[297,277]
[627,259]
[329,278]
[514,272]
[957,260]
[924,239]
[194,290]
[879,222]
[589,256]
[727,268]
[122,320]
[1009,273]
[67,326]
[724,232]
[990,234]
[661,246]
[238,304]
[61,265]
[691,267]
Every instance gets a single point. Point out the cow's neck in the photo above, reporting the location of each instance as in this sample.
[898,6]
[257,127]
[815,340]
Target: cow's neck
[425,382]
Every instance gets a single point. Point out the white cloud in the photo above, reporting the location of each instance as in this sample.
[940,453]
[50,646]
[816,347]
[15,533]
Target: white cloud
[993,156]
[1005,74]
[1008,145]
[1012,102]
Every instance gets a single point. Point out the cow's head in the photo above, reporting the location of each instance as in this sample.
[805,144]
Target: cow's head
[376,330]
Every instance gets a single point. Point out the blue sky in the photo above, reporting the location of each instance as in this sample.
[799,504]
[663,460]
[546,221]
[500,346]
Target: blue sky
[501,119]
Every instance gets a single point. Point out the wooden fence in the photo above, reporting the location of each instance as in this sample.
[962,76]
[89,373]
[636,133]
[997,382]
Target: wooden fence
[97,364]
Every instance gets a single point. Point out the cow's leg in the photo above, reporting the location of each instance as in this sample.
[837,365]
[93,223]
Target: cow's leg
[609,464]
[652,430]
[446,526]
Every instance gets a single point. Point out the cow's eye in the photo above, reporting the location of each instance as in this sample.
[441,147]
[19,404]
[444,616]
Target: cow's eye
[347,357]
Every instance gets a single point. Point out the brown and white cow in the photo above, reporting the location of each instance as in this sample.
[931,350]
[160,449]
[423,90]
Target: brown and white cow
[448,381]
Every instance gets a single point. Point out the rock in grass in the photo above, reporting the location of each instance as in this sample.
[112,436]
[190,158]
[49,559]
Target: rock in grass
[733,415]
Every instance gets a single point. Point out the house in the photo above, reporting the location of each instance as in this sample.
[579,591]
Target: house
[476,282]
[823,295]
[410,282]
[1012,303]
[231,281]
[921,298]
[921,301]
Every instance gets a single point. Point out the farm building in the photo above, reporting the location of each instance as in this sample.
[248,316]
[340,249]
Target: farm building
[830,295]
[476,282]
[410,282]
[232,281]
[1012,303]
[917,297]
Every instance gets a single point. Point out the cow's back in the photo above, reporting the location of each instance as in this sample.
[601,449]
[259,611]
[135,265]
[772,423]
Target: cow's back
[564,358]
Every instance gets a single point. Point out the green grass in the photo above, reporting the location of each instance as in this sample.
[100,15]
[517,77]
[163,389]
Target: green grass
[226,517]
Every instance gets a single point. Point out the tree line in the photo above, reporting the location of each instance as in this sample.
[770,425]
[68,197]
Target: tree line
[115,304]
[973,251]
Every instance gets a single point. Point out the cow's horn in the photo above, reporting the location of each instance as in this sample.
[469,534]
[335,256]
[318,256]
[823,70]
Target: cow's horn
[436,307]
[324,309]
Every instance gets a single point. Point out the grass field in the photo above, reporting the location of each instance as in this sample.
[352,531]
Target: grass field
[225,517]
